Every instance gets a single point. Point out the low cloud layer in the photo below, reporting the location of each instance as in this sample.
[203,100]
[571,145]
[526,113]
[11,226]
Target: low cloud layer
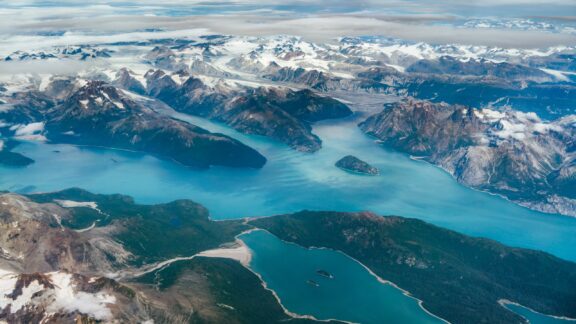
[29,24]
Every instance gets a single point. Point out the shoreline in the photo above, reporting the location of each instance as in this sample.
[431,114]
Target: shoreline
[524,204]
[240,253]
[378,278]
[275,294]
[504,302]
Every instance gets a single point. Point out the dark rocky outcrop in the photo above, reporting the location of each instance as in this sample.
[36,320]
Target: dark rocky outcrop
[99,114]
[512,153]
[353,164]
[278,113]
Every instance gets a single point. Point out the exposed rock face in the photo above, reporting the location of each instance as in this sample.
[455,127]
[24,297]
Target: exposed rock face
[485,68]
[313,78]
[61,297]
[354,164]
[278,113]
[163,57]
[97,113]
[123,268]
[514,154]
[33,239]
[126,80]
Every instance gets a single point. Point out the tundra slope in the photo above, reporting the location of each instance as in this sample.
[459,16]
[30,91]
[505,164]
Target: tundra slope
[56,268]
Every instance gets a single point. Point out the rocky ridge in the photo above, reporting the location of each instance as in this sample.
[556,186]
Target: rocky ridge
[513,154]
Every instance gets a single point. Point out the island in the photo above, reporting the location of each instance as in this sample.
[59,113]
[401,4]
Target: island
[353,164]
[312,283]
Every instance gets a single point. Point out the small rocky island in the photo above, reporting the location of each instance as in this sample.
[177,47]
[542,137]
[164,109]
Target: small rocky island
[353,164]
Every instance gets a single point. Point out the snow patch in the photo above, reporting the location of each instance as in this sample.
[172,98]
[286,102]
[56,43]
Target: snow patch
[398,68]
[84,103]
[67,299]
[64,297]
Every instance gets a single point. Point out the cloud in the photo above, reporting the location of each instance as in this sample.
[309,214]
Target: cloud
[61,67]
[104,21]
[33,42]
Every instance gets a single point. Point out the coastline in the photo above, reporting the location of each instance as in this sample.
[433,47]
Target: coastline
[530,205]
[504,302]
[380,280]
[265,286]
[239,252]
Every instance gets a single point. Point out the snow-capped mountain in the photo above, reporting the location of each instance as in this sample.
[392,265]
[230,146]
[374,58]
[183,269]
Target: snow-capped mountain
[73,52]
[512,153]
[278,86]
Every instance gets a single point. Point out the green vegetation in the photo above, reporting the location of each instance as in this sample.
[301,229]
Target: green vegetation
[459,278]
[218,290]
[151,232]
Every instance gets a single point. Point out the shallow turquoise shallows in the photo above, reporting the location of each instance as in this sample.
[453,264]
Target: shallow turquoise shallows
[292,181]
[352,295]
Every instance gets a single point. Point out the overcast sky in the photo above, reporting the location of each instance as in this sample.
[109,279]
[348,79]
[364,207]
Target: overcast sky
[28,24]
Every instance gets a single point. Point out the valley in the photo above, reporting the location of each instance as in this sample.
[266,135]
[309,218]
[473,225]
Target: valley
[169,175]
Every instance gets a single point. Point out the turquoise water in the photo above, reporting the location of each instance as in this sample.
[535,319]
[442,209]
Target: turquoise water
[362,300]
[293,181]
[537,318]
